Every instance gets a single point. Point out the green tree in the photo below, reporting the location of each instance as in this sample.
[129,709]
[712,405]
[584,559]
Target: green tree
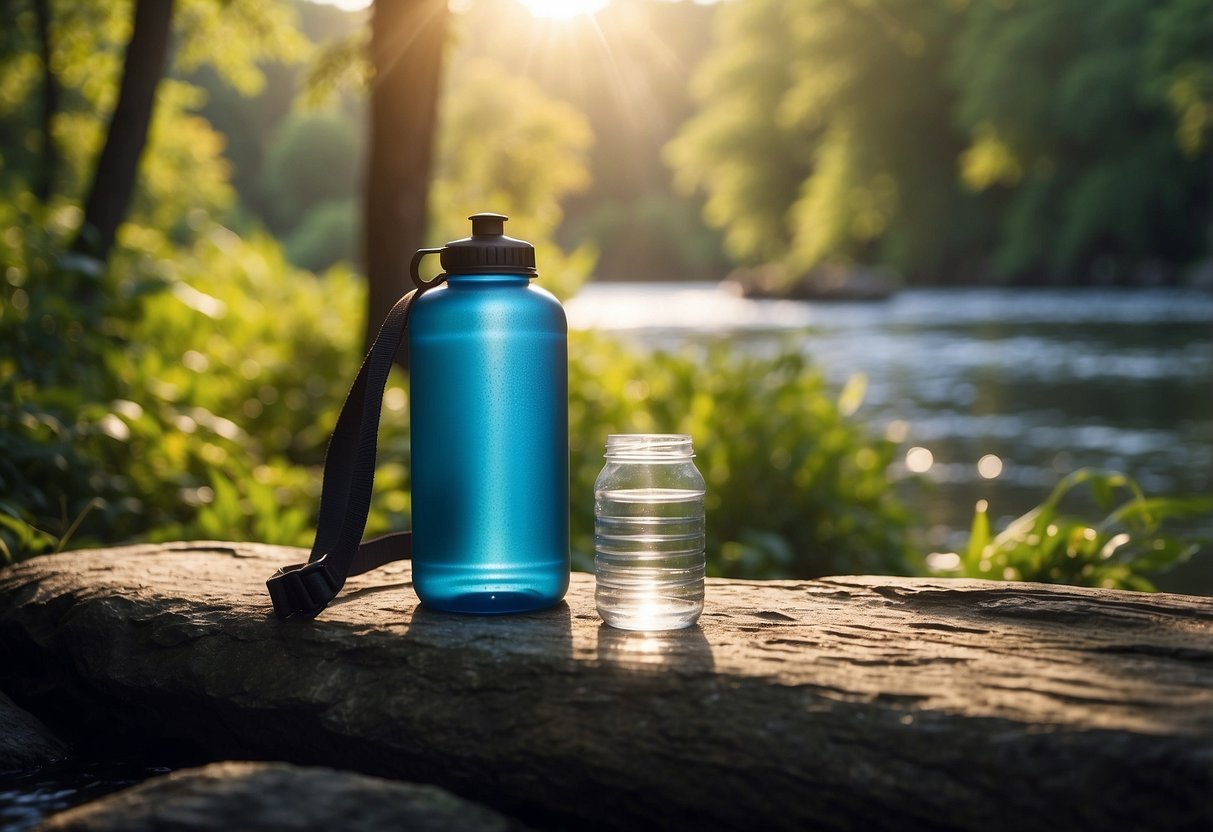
[1071,110]
[328,234]
[313,159]
[740,148]
[502,143]
[506,146]
[1179,69]
[69,327]
[80,50]
[1021,140]
[113,183]
[825,133]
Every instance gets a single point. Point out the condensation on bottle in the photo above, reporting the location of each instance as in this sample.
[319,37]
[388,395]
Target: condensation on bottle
[649,533]
[490,425]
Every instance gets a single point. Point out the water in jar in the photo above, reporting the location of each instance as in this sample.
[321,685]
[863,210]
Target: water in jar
[649,557]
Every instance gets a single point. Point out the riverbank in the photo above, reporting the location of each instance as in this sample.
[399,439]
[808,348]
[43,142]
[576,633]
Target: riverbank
[1035,382]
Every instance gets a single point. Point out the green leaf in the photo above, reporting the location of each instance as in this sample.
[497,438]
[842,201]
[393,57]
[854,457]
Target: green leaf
[979,536]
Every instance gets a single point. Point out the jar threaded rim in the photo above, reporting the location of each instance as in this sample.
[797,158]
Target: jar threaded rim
[649,446]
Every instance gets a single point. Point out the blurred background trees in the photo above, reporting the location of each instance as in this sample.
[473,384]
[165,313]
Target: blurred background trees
[963,142]
[183,381]
[958,142]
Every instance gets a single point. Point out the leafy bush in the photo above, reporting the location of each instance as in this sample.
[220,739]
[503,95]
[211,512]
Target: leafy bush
[190,398]
[327,235]
[313,159]
[795,487]
[202,410]
[58,321]
[189,393]
[1118,551]
[239,370]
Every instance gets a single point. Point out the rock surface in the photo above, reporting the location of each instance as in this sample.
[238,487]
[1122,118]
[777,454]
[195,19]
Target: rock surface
[844,703]
[276,797]
[24,741]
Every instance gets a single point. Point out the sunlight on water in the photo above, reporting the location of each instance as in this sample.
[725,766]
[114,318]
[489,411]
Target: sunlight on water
[690,307]
[992,393]
[989,466]
[919,460]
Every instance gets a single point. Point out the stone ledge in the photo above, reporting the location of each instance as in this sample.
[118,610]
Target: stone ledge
[853,702]
[25,742]
[275,797]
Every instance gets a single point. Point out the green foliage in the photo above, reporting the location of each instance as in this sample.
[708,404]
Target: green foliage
[795,487]
[328,234]
[237,37]
[1120,550]
[340,64]
[87,42]
[202,410]
[855,154]
[505,146]
[193,398]
[1068,104]
[751,176]
[1179,70]
[632,89]
[190,397]
[313,159]
[181,147]
[1022,139]
[240,369]
[59,320]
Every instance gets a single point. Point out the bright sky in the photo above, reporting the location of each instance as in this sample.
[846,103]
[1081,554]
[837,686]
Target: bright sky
[564,8]
[539,8]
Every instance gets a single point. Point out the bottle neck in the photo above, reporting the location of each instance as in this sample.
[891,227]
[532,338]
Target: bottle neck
[483,279]
[649,447]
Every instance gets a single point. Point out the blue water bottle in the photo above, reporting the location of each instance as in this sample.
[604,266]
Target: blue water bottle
[488,354]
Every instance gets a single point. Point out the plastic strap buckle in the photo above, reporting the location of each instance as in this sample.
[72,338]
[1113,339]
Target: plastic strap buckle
[302,589]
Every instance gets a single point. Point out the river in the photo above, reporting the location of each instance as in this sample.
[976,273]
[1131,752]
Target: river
[995,394]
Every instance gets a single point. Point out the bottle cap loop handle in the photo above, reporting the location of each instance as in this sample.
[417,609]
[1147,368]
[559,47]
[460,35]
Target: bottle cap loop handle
[414,269]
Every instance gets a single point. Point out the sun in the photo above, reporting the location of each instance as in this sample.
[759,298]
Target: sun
[564,8]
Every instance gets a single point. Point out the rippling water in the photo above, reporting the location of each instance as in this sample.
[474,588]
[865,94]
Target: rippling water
[1038,382]
[28,797]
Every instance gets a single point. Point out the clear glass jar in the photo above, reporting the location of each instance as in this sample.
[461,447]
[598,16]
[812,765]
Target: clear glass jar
[649,533]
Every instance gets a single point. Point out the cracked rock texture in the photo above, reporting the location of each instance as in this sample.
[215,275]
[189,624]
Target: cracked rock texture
[844,703]
[276,797]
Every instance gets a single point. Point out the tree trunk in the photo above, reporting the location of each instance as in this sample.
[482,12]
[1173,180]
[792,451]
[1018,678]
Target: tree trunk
[44,176]
[113,183]
[407,39]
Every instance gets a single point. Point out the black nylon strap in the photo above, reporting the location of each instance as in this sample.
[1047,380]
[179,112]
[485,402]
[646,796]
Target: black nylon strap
[304,589]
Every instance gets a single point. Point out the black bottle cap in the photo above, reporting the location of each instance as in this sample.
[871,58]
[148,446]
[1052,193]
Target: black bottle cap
[488,250]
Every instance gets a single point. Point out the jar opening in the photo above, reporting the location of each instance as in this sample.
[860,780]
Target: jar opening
[649,446]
